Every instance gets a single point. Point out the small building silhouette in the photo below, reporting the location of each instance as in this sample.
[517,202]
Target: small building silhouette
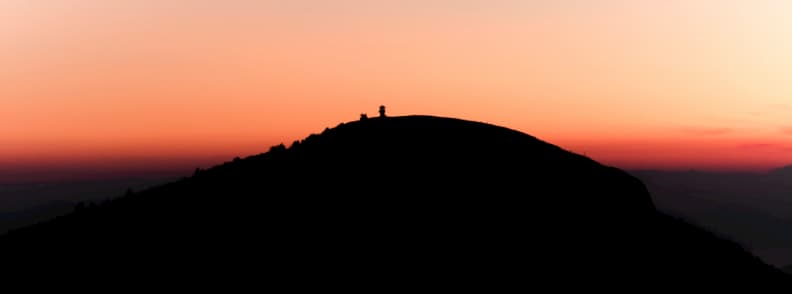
[382,111]
[363,116]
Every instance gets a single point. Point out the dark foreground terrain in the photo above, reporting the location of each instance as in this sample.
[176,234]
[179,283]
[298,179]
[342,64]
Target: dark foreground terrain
[406,201]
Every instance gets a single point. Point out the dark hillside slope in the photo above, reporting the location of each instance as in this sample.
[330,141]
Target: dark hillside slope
[416,196]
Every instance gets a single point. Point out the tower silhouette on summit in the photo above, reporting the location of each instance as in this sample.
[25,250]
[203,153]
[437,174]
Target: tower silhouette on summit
[382,111]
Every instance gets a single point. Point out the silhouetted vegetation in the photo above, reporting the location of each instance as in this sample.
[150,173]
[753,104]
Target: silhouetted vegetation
[411,199]
[278,148]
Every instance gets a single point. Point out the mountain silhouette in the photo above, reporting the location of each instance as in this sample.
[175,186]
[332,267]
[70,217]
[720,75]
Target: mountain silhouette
[407,200]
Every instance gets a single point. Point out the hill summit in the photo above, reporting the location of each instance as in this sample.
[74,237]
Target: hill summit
[400,199]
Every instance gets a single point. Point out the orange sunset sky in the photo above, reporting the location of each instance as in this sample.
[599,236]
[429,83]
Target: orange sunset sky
[666,84]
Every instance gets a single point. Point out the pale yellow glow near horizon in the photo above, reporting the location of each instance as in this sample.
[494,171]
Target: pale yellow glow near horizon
[637,84]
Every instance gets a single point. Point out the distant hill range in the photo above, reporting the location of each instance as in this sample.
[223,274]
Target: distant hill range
[26,217]
[782,172]
[409,200]
[754,209]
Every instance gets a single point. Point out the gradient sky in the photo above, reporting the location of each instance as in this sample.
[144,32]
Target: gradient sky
[155,83]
